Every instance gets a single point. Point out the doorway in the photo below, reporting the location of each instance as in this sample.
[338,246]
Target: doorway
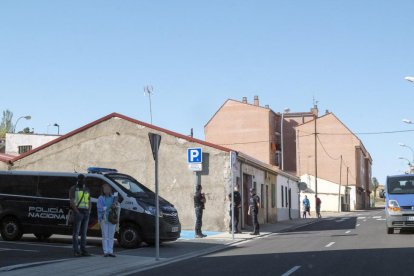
[247,184]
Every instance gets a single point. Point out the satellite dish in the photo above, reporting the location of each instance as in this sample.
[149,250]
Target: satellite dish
[303,186]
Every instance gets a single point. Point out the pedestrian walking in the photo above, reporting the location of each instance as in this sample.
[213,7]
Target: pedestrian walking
[199,205]
[107,203]
[237,205]
[79,196]
[318,206]
[306,206]
[254,204]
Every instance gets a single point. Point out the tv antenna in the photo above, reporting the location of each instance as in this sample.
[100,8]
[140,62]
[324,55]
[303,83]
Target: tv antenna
[315,102]
[148,90]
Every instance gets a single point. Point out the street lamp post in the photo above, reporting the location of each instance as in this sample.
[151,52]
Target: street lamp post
[409,163]
[286,110]
[407,121]
[58,127]
[410,148]
[28,117]
[410,79]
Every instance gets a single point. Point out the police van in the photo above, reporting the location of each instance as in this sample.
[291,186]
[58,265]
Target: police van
[38,203]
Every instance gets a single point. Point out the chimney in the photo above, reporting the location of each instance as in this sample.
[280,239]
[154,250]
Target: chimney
[267,106]
[314,111]
[327,111]
[244,100]
[256,100]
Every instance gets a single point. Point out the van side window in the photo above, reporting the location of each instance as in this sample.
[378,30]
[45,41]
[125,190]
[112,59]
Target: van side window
[55,186]
[95,186]
[25,185]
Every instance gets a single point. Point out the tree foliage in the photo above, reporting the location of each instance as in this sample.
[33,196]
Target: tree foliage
[6,124]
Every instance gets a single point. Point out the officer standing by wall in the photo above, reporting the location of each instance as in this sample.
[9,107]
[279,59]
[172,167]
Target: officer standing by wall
[254,204]
[237,205]
[199,203]
[79,196]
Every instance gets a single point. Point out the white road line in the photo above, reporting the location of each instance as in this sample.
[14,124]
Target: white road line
[358,224]
[347,232]
[289,272]
[24,250]
[39,244]
[365,220]
[330,244]
[381,219]
[12,267]
[361,218]
[376,217]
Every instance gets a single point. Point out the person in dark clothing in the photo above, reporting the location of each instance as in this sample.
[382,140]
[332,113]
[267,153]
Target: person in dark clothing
[318,206]
[80,203]
[237,205]
[199,203]
[254,204]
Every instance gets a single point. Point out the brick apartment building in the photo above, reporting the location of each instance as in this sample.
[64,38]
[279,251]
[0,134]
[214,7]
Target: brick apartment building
[256,131]
[337,147]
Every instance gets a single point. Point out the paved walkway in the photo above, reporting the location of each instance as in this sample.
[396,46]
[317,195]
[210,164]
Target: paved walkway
[130,261]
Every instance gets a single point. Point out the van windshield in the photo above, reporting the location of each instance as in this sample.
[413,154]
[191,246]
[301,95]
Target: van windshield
[401,185]
[129,184]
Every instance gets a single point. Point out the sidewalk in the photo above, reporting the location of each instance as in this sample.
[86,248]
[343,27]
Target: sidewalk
[132,261]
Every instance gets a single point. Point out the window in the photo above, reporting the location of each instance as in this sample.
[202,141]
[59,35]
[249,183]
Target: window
[55,186]
[25,185]
[283,201]
[286,196]
[262,194]
[95,186]
[273,191]
[254,186]
[23,149]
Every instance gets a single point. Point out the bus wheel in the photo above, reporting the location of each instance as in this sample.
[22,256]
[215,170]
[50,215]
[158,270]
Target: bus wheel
[10,229]
[390,230]
[42,237]
[129,236]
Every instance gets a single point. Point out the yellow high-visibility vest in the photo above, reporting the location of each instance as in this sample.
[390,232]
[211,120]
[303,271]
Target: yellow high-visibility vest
[84,204]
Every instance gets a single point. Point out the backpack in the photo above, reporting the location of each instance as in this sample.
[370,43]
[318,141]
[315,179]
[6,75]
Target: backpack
[113,215]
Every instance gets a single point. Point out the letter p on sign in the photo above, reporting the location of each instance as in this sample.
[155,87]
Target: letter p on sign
[195,155]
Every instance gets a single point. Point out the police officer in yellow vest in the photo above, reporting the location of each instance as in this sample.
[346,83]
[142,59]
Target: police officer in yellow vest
[80,203]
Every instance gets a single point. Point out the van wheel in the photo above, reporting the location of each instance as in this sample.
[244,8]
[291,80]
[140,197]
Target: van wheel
[42,237]
[11,229]
[129,236]
[390,230]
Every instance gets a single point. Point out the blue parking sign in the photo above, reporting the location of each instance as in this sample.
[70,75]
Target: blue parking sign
[194,155]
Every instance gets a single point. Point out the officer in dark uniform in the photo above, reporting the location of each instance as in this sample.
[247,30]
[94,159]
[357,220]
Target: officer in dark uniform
[199,201]
[254,204]
[237,205]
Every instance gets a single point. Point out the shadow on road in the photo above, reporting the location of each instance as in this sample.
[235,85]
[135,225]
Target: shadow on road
[381,261]
[339,223]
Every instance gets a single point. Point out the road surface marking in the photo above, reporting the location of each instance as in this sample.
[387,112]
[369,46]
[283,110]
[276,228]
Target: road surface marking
[365,220]
[289,272]
[12,267]
[358,224]
[382,219]
[330,244]
[361,218]
[24,250]
[376,217]
[347,232]
[38,244]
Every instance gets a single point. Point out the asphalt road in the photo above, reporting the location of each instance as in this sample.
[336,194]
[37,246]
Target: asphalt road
[29,251]
[351,245]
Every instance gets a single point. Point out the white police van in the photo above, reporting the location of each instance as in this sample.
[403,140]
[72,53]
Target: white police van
[38,203]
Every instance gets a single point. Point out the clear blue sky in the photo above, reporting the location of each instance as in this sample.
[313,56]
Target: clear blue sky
[72,62]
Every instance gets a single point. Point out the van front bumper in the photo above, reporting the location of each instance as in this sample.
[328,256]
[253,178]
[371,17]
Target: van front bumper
[405,220]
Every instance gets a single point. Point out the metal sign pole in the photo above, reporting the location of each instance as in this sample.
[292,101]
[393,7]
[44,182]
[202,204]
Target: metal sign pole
[155,141]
